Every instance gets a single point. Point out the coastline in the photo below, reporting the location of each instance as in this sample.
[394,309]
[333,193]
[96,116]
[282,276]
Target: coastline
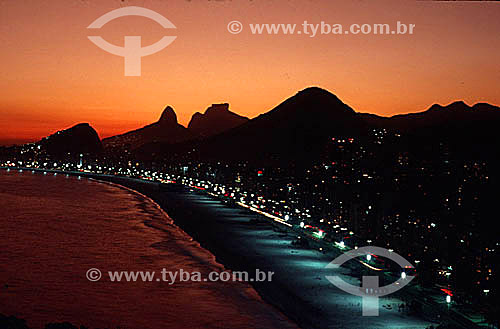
[148,240]
[243,242]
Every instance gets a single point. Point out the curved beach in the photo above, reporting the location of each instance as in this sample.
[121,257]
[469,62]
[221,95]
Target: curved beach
[49,241]
[243,242]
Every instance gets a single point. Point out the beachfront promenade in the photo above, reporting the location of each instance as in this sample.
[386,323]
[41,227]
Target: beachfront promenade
[244,240]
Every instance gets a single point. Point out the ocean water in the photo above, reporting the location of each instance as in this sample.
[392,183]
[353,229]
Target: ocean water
[56,227]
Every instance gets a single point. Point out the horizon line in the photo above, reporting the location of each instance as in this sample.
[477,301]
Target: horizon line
[9,142]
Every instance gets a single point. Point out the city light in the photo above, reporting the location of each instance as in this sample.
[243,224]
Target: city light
[327,222]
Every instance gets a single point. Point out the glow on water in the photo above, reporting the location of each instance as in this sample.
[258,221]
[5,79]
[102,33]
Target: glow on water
[54,228]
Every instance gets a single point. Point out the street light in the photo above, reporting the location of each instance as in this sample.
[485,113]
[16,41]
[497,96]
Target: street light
[403,275]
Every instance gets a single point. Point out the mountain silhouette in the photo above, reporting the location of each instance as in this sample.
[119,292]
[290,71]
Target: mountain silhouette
[216,119]
[468,131]
[81,138]
[298,129]
[456,115]
[168,117]
[165,130]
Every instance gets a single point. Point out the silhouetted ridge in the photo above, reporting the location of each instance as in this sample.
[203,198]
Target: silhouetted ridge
[217,108]
[81,138]
[455,114]
[165,130]
[297,129]
[455,106]
[168,117]
[317,92]
[314,100]
[217,119]
[459,104]
[470,132]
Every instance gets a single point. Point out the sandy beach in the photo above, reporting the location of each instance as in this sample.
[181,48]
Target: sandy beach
[244,242]
[50,242]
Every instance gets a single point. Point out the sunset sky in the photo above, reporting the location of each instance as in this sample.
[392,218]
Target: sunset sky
[53,77]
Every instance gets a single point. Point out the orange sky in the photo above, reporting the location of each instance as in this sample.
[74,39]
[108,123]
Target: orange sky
[52,76]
